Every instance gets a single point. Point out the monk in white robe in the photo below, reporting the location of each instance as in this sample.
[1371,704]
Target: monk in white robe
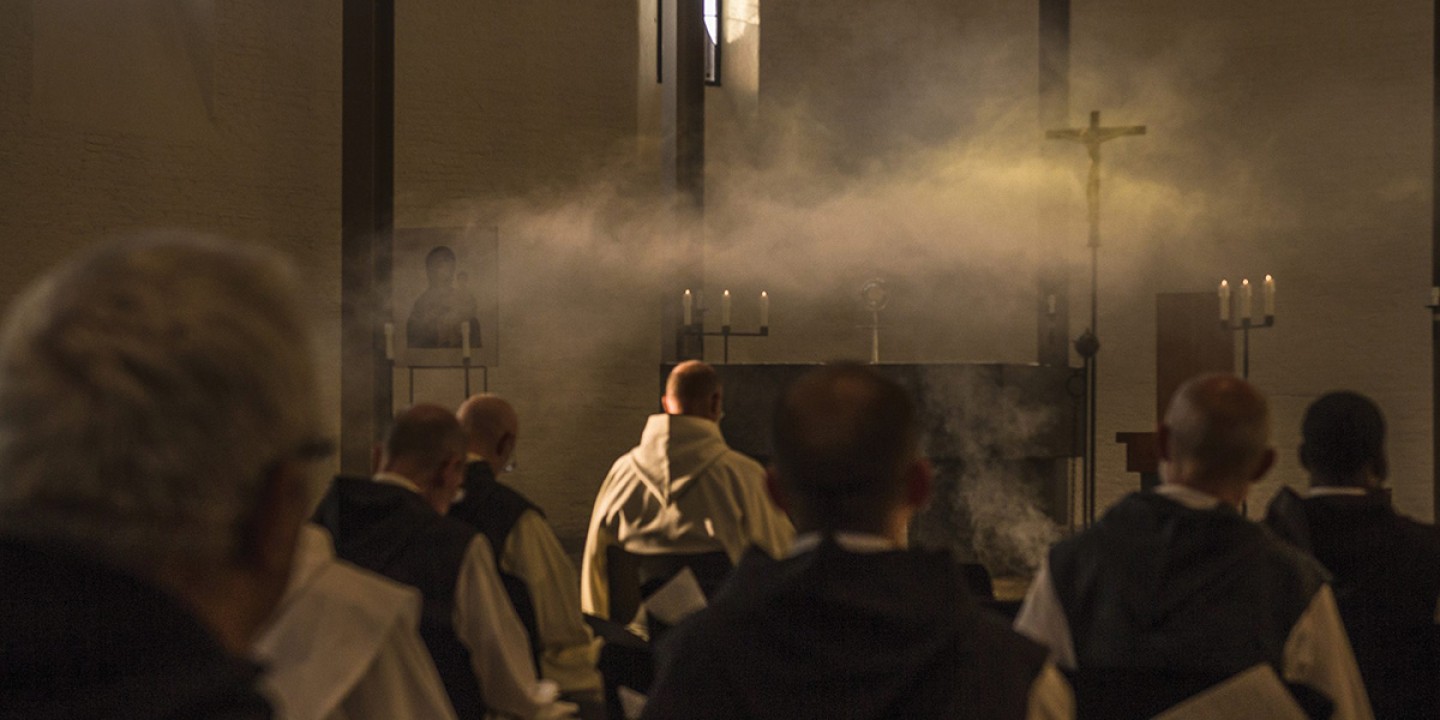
[344,644]
[682,490]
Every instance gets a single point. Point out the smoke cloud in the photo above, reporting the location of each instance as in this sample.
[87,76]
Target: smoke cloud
[935,183]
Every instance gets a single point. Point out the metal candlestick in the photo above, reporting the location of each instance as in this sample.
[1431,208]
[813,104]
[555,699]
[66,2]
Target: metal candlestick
[696,328]
[725,334]
[1244,327]
[1227,310]
[876,297]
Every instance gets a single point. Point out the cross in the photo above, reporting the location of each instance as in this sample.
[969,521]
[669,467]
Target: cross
[1091,137]
[1088,345]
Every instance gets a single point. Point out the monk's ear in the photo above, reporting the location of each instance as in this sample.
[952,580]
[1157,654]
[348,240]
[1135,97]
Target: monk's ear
[775,489]
[1162,442]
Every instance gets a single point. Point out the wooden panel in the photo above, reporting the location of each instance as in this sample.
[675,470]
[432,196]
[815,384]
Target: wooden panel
[1189,340]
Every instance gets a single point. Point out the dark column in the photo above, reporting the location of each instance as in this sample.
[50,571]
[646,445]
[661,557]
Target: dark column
[1054,285]
[682,28]
[367,215]
[1435,266]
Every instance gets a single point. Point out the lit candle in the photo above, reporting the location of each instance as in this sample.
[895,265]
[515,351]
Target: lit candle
[1247,300]
[389,341]
[764,309]
[465,339]
[1269,296]
[688,302]
[725,308]
[1224,301]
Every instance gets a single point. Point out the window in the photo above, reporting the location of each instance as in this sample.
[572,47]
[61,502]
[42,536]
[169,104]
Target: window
[711,12]
[713,40]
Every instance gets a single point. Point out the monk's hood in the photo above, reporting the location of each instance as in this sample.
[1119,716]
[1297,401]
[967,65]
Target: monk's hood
[673,450]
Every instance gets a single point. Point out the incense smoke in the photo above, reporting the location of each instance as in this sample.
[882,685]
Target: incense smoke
[990,504]
[935,185]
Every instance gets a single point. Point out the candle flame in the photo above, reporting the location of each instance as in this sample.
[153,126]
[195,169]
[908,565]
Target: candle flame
[1245,282]
[1269,279]
[1224,283]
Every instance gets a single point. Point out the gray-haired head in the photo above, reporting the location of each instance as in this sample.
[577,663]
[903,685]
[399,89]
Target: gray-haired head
[147,389]
[1216,436]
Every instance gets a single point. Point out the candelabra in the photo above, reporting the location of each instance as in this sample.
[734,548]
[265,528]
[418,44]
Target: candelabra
[694,323]
[1246,322]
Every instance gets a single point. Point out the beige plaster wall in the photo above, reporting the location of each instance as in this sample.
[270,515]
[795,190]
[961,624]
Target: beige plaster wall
[521,116]
[221,117]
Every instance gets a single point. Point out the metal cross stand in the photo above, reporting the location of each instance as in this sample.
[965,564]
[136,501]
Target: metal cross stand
[1088,344]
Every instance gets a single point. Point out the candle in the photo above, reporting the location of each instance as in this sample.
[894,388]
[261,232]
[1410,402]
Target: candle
[1247,300]
[389,341]
[725,309]
[1224,301]
[764,309]
[1050,301]
[1269,296]
[688,302]
[465,339]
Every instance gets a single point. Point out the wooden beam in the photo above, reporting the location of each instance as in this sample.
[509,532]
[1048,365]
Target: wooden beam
[367,212]
[1435,266]
[682,28]
[1053,326]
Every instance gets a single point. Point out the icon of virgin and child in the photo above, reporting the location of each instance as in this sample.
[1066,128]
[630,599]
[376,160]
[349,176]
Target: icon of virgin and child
[445,306]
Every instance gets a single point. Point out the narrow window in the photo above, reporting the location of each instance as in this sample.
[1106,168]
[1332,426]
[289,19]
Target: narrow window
[713,10]
[713,40]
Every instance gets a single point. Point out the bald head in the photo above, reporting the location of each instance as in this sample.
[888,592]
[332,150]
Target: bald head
[846,450]
[1216,436]
[693,388]
[491,428]
[427,446]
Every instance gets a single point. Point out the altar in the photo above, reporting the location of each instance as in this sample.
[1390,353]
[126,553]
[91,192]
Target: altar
[1001,436]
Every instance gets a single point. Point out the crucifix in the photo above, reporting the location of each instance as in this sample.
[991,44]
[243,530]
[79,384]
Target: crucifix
[1088,344]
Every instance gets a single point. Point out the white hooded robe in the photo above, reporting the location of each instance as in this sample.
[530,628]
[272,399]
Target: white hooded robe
[682,490]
